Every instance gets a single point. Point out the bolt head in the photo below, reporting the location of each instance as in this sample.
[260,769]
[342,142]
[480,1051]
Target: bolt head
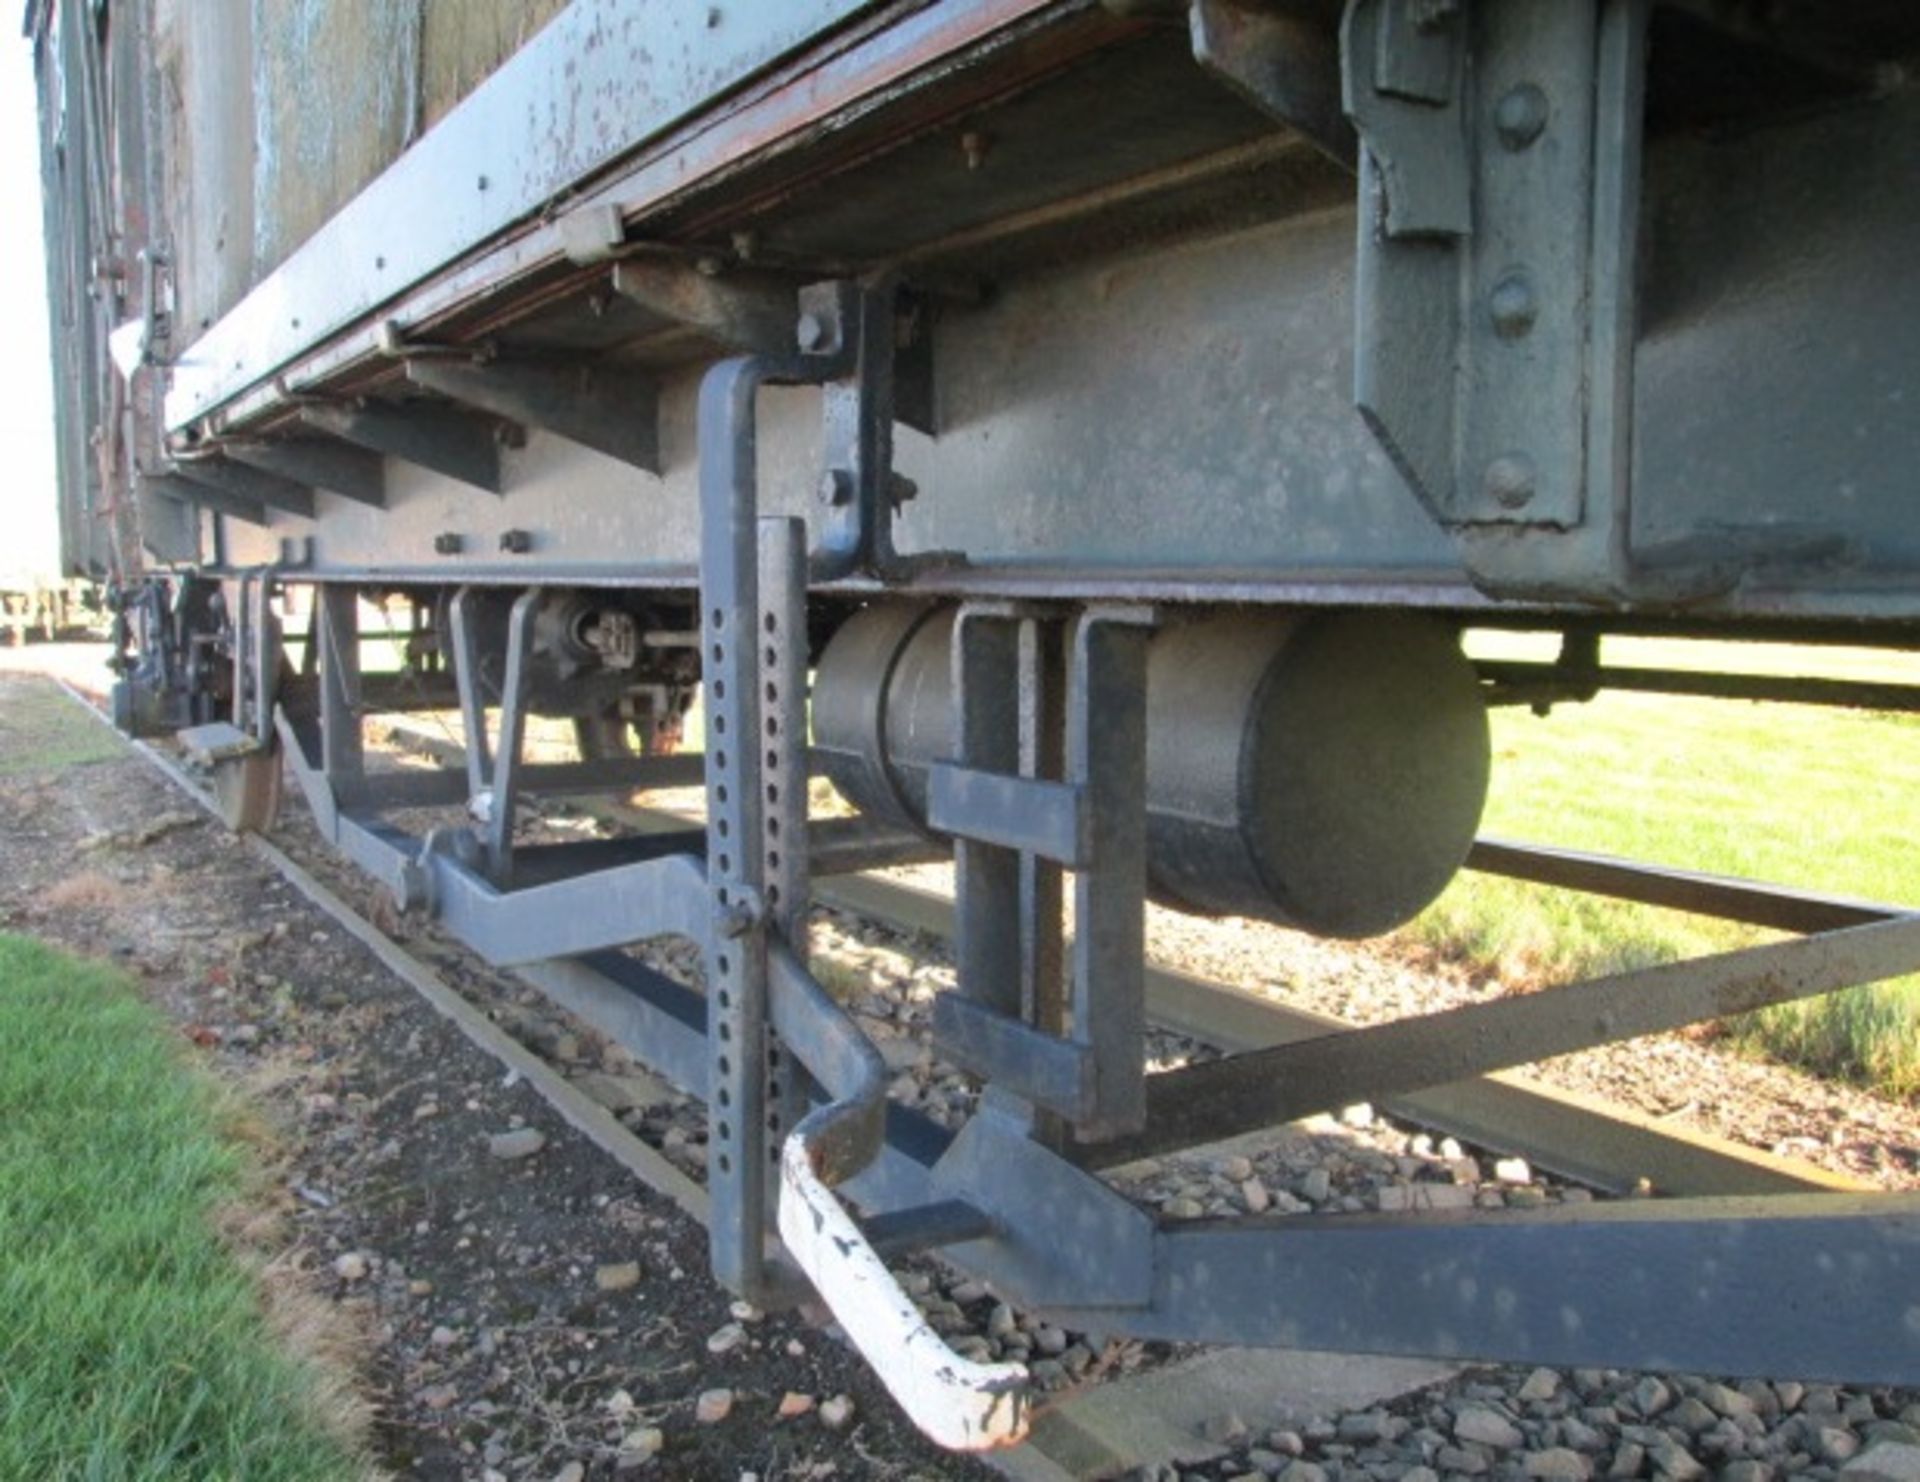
[1520,116]
[1513,306]
[836,487]
[1511,480]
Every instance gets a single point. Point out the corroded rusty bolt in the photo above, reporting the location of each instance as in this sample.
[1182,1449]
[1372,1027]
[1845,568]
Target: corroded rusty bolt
[1513,306]
[1510,479]
[1520,115]
[836,487]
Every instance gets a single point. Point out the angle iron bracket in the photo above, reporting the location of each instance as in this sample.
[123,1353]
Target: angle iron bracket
[1498,196]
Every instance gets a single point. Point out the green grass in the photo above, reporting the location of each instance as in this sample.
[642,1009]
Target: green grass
[1822,799]
[42,730]
[133,1340]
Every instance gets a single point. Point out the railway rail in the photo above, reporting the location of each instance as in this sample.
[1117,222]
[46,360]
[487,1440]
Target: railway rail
[1592,1144]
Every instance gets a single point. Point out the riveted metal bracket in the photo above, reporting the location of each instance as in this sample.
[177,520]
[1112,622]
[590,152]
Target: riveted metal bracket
[1499,188]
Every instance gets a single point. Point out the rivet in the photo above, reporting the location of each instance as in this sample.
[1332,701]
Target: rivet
[713,16]
[1512,306]
[973,145]
[836,487]
[1520,115]
[482,183]
[1510,480]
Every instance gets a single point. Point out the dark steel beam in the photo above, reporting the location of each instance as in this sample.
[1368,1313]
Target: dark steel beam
[252,484]
[1817,1285]
[321,463]
[1243,1093]
[742,310]
[1722,896]
[192,491]
[610,409]
[426,434]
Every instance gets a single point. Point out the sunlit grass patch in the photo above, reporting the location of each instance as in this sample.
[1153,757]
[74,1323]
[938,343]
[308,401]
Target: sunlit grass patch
[133,1340]
[1822,799]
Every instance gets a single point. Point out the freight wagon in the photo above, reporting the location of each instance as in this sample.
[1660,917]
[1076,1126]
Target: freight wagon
[1081,431]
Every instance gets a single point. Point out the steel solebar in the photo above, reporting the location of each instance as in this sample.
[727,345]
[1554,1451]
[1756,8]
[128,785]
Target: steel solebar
[1820,1286]
[1219,1099]
[1723,896]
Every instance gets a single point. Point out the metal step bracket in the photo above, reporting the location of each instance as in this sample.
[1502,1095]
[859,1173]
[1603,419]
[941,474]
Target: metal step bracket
[1078,1052]
[960,1404]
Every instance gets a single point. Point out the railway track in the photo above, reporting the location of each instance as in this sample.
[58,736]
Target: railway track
[1171,1412]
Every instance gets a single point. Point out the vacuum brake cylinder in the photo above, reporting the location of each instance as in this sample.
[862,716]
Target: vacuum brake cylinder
[1322,770]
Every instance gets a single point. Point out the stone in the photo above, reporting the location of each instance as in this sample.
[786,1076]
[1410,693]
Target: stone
[573,1471]
[836,1412]
[1254,1195]
[1725,1400]
[521,1142]
[1183,1209]
[1541,1384]
[1487,1427]
[1303,1471]
[1236,1169]
[1898,1432]
[1512,1171]
[1691,1415]
[1559,1464]
[353,1266]
[1746,1470]
[1651,1396]
[1674,1461]
[1835,1444]
[793,1404]
[629,1091]
[438,1396]
[621,1276]
[713,1406]
[727,1338]
[1360,1114]
[640,1446]
[1790,1393]
[1000,1321]
[1884,1461]
[1469,1460]
[1629,1460]
[1419,1474]
[1316,1185]
[1365,1427]
[443,1337]
[1051,1340]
